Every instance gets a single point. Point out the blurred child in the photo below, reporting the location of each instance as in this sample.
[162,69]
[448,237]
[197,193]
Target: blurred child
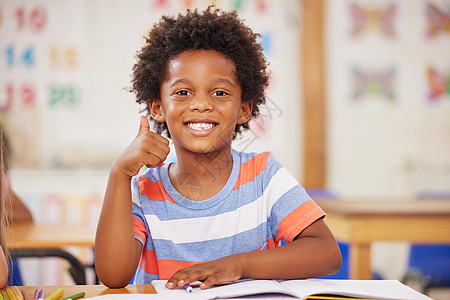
[3,220]
[216,214]
[17,211]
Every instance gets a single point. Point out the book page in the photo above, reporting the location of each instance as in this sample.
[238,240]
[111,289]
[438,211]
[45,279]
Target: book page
[377,289]
[231,290]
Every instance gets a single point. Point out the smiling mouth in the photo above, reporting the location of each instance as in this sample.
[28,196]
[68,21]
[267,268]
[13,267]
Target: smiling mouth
[200,126]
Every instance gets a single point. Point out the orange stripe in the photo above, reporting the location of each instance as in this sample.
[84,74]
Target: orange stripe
[150,264]
[139,229]
[165,268]
[270,244]
[298,220]
[169,267]
[148,261]
[250,169]
[153,190]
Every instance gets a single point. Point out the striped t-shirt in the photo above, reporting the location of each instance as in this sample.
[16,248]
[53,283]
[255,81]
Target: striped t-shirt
[260,205]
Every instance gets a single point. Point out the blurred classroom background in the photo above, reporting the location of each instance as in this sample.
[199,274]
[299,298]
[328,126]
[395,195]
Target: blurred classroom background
[377,71]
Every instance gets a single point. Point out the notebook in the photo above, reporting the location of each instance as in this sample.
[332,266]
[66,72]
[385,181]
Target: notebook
[301,289]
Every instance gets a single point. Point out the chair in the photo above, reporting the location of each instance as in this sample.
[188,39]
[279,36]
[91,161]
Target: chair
[428,267]
[429,264]
[14,274]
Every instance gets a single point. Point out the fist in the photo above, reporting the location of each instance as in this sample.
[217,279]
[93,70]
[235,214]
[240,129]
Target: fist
[148,148]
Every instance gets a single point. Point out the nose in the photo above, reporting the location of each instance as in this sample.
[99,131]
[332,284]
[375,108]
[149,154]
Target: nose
[201,102]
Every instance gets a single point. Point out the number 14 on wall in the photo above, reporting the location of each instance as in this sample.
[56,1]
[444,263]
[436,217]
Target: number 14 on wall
[27,57]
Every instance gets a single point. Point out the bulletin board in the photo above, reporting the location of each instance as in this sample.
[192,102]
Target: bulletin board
[66,67]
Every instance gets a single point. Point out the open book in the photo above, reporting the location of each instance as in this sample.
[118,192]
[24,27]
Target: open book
[302,289]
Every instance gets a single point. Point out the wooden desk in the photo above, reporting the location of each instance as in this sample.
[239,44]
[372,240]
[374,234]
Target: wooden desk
[362,222]
[37,240]
[90,290]
[37,236]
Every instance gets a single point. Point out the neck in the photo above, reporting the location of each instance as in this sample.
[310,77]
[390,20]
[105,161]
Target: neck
[207,173]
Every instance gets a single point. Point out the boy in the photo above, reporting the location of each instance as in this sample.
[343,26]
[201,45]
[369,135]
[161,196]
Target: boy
[216,215]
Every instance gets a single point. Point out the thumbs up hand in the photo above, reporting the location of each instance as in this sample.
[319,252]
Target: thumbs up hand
[148,148]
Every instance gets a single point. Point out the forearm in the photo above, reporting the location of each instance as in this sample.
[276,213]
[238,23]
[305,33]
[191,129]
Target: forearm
[116,256]
[304,258]
[308,256]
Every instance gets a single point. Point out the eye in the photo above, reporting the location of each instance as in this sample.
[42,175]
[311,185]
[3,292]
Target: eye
[182,93]
[220,93]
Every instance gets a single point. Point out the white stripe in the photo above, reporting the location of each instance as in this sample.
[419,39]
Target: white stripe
[227,224]
[279,184]
[135,198]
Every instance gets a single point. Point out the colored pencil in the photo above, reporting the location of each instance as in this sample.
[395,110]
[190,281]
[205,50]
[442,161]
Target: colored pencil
[73,297]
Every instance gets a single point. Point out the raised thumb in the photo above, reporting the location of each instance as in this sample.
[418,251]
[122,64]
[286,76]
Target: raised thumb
[144,125]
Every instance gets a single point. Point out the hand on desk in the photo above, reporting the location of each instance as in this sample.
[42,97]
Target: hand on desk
[222,270]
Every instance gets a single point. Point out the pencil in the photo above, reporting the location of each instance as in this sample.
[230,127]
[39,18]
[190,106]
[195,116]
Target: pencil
[17,292]
[24,294]
[41,295]
[10,294]
[73,297]
[55,295]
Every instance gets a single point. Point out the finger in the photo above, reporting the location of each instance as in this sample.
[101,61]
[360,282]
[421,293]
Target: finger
[152,160]
[173,283]
[162,139]
[211,280]
[181,278]
[170,284]
[144,125]
[158,149]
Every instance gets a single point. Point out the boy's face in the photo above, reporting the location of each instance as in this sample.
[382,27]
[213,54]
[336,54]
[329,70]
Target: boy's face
[201,101]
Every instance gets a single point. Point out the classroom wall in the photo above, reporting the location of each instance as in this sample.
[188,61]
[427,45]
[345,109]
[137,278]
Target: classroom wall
[388,97]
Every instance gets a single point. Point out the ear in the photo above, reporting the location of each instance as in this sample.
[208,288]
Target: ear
[246,112]
[157,111]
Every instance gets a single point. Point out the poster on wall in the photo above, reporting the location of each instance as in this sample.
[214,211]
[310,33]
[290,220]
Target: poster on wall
[43,69]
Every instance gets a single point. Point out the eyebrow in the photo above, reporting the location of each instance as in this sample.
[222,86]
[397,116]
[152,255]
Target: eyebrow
[218,80]
[224,80]
[181,80]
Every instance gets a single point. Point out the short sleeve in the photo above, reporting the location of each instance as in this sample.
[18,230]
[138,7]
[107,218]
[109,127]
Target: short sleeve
[292,210]
[139,223]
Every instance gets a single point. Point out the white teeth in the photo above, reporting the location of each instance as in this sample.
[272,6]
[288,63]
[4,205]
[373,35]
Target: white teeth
[200,126]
